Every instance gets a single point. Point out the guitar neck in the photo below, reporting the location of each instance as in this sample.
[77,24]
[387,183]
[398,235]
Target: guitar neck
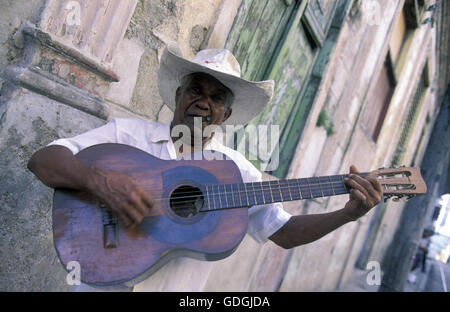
[224,196]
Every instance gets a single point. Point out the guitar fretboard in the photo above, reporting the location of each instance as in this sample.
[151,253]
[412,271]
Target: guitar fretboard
[224,196]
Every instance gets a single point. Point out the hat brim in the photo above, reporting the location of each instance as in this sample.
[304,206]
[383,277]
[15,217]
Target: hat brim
[250,98]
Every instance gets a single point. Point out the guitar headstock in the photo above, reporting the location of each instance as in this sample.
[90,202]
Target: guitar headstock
[402,182]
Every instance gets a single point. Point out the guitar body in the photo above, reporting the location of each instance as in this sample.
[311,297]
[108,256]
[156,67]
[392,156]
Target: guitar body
[108,254]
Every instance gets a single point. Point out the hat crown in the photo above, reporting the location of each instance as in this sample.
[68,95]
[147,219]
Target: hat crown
[219,60]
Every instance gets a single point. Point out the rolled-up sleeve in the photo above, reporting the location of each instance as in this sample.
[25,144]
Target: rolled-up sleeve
[104,134]
[265,220]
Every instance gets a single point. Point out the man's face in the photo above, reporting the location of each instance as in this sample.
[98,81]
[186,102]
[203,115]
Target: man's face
[202,97]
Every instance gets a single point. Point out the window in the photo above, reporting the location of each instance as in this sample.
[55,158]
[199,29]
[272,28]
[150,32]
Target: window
[410,120]
[378,102]
[399,42]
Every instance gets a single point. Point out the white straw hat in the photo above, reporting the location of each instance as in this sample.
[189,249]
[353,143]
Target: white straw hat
[250,98]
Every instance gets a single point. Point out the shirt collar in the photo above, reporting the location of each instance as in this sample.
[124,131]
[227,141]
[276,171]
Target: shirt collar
[160,133]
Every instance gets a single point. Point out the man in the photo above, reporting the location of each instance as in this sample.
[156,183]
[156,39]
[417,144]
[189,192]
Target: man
[207,88]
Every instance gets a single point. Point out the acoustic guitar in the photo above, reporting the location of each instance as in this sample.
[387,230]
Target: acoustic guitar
[194,212]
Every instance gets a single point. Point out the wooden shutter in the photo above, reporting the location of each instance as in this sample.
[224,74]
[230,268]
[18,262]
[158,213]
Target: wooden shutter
[378,102]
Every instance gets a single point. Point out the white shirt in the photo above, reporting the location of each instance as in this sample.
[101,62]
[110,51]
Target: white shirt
[154,138]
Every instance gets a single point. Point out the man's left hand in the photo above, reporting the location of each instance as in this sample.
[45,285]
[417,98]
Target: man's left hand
[365,193]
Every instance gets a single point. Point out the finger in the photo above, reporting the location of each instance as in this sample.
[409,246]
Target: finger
[133,213]
[126,221]
[376,184]
[367,182]
[139,204]
[148,201]
[352,183]
[358,195]
[353,169]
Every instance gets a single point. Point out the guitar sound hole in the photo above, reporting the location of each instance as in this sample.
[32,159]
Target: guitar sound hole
[186,201]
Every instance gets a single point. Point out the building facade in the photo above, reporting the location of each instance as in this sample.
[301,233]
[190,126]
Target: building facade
[357,82]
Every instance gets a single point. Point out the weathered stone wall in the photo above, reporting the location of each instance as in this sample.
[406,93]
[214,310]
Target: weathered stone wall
[352,72]
[12,15]
[47,93]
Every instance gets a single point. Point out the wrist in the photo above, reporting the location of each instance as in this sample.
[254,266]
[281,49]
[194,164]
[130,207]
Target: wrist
[93,178]
[349,214]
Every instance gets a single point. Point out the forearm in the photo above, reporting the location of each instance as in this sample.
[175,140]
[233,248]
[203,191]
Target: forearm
[57,167]
[304,229]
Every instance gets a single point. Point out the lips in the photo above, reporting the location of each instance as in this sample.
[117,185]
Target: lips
[204,118]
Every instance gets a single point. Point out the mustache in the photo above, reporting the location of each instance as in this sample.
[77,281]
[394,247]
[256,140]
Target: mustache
[208,118]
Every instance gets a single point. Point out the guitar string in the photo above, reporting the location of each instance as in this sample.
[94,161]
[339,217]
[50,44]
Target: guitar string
[313,186]
[269,185]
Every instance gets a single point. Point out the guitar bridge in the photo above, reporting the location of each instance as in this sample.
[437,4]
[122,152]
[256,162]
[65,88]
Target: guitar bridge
[109,221]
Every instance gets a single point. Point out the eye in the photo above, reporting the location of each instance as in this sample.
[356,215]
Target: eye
[220,98]
[195,90]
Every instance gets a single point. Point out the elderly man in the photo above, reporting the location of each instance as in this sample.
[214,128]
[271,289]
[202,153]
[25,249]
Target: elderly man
[208,88]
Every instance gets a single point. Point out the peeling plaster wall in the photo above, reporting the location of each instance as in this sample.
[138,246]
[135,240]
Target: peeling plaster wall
[12,14]
[154,24]
[29,121]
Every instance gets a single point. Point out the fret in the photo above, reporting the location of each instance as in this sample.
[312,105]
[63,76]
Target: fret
[240,195]
[262,192]
[277,197]
[343,183]
[289,189]
[279,189]
[207,196]
[320,186]
[213,194]
[254,192]
[246,194]
[271,193]
[331,183]
[230,195]
[226,196]
[259,194]
[299,189]
[218,194]
[233,195]
[316,188]
[294,191]
[266,191]
[326,186]
[309,186]
[339,187]
[284,190]
[305,189]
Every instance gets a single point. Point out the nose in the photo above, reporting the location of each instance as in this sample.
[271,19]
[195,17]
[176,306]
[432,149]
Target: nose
[203,103]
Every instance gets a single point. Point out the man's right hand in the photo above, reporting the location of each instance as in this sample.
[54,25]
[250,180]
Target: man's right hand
[121,194]
[57,167]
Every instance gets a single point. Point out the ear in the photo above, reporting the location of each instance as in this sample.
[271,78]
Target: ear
[227,114]
[177,96]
